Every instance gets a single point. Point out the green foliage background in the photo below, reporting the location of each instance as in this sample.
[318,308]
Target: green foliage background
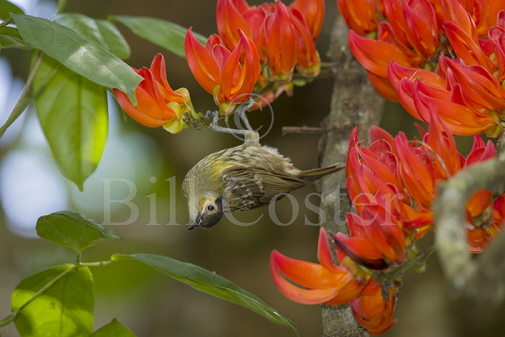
[152,304]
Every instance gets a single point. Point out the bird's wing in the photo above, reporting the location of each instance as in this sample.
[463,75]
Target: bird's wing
[251,187]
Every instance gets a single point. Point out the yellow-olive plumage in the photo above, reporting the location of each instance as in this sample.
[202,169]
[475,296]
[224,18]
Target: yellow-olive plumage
[241,178]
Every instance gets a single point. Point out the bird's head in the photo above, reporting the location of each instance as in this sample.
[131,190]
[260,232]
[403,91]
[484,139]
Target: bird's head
[209,210]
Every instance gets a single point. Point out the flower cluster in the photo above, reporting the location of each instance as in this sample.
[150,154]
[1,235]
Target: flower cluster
[157,104]
[284,37]
[336,284]
[416,34]
[392,184]
[257,50]
[221,72]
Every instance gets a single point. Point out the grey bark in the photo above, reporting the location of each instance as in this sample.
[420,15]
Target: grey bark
[482,277]
[354,102]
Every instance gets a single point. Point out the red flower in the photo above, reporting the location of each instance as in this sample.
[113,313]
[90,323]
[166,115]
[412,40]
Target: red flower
[308,61]
[375,56]
[157,104]
[374,312]
[220,72]
[479,88]
[313,12]
[496,45]
[376,235]
[421,26]
[489,224]
[417,89]
[280,43]
[322,282]
[359,15]
[467,46]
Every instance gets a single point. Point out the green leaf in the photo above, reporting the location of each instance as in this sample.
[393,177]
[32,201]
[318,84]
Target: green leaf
[101,31]
[113,329]
[162,33]
[73,114]
[73,230]
[10,38]
[65,309]
[79,53]
[115,41]
[210,283]
[7,7]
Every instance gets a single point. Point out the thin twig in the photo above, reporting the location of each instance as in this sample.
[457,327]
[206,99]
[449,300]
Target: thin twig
[302,130]
[97,264]
[23,98]
[6,22]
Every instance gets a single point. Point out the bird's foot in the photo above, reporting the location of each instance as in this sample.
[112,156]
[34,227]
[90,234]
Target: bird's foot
[214,125]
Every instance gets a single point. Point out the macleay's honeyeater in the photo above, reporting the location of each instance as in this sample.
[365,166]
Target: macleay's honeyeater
[241,178]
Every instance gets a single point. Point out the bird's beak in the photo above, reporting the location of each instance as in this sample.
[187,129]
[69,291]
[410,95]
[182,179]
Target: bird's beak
[197,222]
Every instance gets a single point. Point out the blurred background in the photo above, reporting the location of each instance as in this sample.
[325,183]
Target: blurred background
[149,166]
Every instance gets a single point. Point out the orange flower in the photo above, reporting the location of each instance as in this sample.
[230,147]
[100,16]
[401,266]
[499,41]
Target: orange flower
[376,235]
[374,312]
[313,12]
[220,72]
[229,17]
[480,152]
[308,61]
[280,43]
[364,186]
[322,282]
[489,224]
[157,104]
[359,15]
[496,36]
[375,56]
[421,27]
[467,46]
[235,15]
[479,88]
[418,88]
[486,17]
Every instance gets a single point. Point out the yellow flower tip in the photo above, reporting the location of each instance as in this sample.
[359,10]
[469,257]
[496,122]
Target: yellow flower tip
[355,269]
[310,72]
[495,132]
[226,108]
[175,126]
[186,99]
[283,77]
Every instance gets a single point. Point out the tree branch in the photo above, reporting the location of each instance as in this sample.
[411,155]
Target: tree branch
[354,101]
[483,277]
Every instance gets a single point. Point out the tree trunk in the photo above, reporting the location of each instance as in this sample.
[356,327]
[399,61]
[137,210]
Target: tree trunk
[354,102]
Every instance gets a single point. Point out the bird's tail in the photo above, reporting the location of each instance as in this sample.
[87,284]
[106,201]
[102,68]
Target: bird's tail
[314,174]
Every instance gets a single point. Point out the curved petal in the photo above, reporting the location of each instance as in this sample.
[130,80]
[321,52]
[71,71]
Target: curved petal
[314,11]
[323,252]
[229,20]
[201,62]
[308,274]
[376,133]
[362,250]
[300,295]
[375,55]
[374,313]
[138,113]
[383,86]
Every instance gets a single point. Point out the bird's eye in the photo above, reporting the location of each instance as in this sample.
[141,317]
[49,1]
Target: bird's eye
[210,208]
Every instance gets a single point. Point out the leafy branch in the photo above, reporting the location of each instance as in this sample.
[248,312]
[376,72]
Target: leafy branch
[9,319]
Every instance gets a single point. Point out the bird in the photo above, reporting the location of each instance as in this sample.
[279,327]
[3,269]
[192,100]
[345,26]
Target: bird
[242,178]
